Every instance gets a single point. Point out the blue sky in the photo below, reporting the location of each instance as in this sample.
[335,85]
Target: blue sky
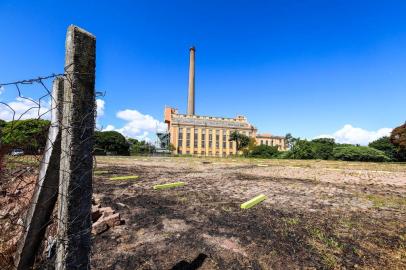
[305,67]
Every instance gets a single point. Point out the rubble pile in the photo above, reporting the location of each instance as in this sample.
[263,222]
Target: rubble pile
[104,218]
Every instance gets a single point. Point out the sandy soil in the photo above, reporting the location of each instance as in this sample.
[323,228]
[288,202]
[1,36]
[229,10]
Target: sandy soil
[318,215]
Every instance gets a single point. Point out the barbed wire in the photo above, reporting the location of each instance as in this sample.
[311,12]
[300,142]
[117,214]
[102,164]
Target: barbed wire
[37,79]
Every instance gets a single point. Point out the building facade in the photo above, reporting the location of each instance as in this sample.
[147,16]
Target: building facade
[205,135]
[210,136]
[268,139]
[192,134]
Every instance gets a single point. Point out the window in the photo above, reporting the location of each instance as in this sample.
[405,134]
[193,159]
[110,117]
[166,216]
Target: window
[231,145]
[262,142]
[224,139]
[195,139]
[266,142]
[202,153]
[210,139]
[180,137]
[224,154]
[217,138]
[203,138]
[188,137]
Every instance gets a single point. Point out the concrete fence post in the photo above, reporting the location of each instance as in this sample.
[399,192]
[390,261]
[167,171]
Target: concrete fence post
[75,191]
[46,191]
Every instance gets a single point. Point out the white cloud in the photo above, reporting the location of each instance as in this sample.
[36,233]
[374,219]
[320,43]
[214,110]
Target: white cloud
[354,135]
[27,108]
[100,107]
[109,128]
[24,108]
[139,126]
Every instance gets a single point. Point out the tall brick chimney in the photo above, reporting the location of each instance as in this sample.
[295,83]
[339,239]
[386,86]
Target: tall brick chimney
[191,92]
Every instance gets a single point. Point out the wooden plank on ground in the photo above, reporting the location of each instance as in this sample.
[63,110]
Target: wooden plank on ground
[169,185]
[253,201]
[129,177]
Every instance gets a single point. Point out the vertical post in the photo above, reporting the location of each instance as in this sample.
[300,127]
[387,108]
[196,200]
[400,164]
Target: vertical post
[46,190]
[75,191]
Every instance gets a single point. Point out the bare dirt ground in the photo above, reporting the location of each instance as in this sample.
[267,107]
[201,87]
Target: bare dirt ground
[318,215]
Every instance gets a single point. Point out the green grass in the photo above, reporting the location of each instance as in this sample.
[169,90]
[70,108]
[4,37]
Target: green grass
[291,221]
[326,240]
[386,201]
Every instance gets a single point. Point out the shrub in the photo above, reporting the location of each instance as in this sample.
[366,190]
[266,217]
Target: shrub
[264,151]
[398,139]
[29,135]
[285,155]
[384,145]
[323,148]
[110,142]
[359,153]
[142,147]
[302,149]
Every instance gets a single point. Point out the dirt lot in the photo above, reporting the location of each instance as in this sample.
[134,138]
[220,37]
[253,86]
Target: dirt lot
[318,215]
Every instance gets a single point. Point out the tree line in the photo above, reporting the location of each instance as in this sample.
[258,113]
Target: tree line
[30,135]
[389,148]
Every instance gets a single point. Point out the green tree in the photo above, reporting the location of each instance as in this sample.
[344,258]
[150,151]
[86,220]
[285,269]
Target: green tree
[171,147]
[140,147]
[2,123]
[110,142]
[359,153]
[302,149]
[29,135]
[240,139]
[398,139]
[384,144]
[264,151]
[323,148]
[290,140]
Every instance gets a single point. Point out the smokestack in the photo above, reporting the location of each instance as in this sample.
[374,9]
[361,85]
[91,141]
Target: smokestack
[191,92]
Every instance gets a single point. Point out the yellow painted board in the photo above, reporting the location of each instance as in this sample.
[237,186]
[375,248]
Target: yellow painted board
[262,165]
[124,177]
[169,185]
[253,201]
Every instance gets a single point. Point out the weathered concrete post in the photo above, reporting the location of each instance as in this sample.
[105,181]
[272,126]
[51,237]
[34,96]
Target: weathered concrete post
[46,190]
[75,192]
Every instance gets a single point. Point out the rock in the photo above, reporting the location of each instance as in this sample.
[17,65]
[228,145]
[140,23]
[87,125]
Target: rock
[113,220]
[95,199]
[106,211]
[106,222]
[99,227]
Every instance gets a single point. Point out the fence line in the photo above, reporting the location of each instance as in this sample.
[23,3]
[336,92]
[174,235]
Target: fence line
[64,177]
